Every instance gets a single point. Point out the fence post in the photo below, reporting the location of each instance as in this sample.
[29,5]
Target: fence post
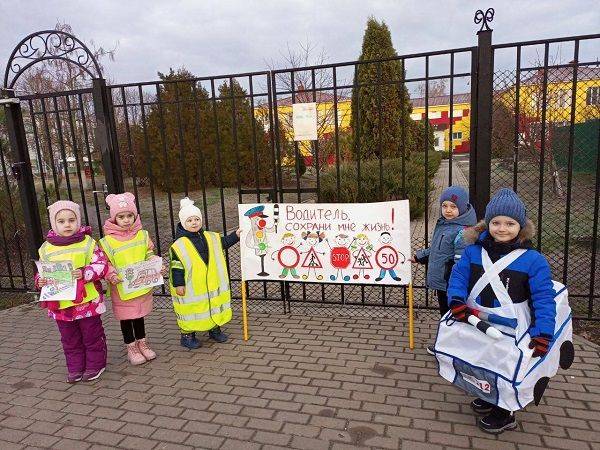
[106,136]
[21,169]
[481,121]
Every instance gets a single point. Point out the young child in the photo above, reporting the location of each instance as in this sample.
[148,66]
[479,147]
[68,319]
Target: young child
[447,244]
[527,280]
[125,243]
[199,280]
[78,320]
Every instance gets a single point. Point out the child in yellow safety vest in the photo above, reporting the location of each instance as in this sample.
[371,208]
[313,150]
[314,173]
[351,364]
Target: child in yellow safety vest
[199,280]
[78,319]
[126,243]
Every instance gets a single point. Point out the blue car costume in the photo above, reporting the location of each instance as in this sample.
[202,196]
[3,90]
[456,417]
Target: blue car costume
[508,284]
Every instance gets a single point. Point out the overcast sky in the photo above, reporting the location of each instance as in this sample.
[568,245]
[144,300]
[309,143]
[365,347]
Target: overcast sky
[212,37]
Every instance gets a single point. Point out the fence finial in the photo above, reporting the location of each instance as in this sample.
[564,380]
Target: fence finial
[484,19]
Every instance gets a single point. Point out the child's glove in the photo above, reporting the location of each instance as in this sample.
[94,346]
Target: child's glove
[114,278]
[540,344]
[459,311]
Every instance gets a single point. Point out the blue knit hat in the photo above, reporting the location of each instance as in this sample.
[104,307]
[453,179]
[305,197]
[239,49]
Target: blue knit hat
[456,195]
[506,203]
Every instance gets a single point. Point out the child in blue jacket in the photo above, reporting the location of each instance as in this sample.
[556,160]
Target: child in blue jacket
[447,243]
[528,280]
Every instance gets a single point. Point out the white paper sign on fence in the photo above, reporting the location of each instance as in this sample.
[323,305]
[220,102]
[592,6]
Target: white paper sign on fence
[354,243]
[144,274]
[304,121]
[61,285]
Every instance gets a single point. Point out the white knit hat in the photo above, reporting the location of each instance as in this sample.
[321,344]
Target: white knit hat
[187,210]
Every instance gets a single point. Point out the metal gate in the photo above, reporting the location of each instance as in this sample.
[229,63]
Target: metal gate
[225,140]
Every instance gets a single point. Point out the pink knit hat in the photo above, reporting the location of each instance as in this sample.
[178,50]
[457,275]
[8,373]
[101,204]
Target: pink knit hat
[60,205]
[119,203]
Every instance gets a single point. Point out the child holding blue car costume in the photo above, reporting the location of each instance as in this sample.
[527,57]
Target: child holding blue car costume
[527,280]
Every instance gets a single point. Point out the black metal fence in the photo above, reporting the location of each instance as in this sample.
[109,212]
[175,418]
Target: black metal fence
[225,140]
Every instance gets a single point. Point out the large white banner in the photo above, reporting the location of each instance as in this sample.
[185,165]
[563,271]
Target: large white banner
[354,243]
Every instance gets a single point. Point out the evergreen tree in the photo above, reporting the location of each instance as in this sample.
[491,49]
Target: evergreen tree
[175,149]
[182,133]
[380,102]
[244,142]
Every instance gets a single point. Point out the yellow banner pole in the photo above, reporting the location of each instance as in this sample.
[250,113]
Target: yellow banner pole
[244,311]
[411,330]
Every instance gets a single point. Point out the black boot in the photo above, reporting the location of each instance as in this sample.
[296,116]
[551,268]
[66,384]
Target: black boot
[497,421]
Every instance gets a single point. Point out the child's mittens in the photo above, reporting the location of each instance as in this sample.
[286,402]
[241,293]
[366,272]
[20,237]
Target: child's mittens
[114,278]
[459,311]
[180,290]
[540,344]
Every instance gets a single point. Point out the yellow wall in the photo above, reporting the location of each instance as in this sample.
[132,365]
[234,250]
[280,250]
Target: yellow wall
[461,124]
[558,101]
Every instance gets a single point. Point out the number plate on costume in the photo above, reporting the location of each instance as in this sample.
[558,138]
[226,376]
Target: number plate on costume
[480,384]
[476,381]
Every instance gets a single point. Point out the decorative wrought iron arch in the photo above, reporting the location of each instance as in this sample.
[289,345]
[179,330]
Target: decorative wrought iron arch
[46,45]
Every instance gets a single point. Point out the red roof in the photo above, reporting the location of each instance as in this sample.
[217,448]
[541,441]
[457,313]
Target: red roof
[307,97]
[562,75]
[440,100]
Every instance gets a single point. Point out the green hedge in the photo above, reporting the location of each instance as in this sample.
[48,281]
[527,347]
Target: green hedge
[391,182]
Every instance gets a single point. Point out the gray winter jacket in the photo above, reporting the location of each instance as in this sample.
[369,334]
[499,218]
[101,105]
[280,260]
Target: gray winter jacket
[446,247]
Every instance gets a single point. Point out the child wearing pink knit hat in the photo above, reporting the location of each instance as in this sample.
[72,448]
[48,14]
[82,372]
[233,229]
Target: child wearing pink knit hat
[126,243]
[78,319]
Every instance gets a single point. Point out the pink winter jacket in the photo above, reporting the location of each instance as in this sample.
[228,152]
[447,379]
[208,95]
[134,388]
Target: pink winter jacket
[136,307]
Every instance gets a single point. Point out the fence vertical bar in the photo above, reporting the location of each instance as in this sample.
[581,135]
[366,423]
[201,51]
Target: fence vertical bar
[106,136]
[517,109]
[570,161]
[595,230]
[542,147]
[22,170]
[451,120]
[479,186]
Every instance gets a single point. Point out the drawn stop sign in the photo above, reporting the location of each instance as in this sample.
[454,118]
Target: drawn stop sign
[386,257]
[340,257]
[288,256]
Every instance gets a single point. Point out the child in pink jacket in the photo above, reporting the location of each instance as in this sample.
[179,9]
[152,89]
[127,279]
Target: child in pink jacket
[125,243]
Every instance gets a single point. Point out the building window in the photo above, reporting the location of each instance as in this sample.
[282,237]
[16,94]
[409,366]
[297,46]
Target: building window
[592,96]
[563,98]
[457,135]
[436,142]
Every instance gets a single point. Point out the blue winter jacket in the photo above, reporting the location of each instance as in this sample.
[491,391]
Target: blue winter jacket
[446,247]
[528,279]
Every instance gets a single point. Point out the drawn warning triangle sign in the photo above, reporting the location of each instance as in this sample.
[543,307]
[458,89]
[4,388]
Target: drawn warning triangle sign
[362,260]
[312,260]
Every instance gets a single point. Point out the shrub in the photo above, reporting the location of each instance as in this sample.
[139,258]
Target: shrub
[370,189]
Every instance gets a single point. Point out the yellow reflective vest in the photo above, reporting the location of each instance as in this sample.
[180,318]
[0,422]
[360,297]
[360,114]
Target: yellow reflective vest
[207,299]
[124,253]
[80,255]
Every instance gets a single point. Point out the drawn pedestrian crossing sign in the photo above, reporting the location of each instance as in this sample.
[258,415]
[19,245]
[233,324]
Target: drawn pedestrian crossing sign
[312,260]
[362,260]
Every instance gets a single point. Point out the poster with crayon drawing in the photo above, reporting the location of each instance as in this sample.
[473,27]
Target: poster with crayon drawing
[353,243]
[61,285]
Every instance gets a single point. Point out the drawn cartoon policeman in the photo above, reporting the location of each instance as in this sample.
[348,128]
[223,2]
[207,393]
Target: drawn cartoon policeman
[257,238]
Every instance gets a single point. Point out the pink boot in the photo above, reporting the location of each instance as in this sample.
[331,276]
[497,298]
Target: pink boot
[148,353]
[134,355]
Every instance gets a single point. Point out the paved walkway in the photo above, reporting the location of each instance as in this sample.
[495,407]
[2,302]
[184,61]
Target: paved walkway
[307,383]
